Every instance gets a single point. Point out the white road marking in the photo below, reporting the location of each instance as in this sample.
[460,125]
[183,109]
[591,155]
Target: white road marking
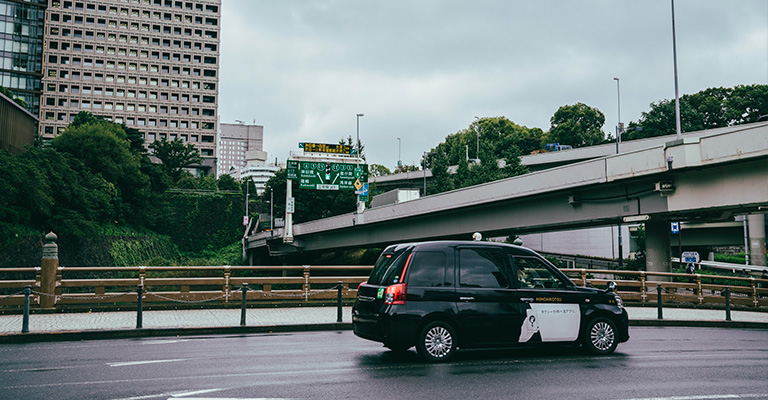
[706,397]
[160,341]
[123,364]
[173,395]
[185,394]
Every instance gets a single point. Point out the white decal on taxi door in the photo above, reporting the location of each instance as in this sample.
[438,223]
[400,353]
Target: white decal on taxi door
[553,323]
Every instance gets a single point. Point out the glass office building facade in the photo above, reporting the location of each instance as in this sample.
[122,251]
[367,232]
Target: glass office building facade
[22,26]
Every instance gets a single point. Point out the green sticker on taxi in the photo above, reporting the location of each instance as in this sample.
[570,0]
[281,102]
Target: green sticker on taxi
[380,294]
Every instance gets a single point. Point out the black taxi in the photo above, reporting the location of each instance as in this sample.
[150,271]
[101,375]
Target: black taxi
[445,295]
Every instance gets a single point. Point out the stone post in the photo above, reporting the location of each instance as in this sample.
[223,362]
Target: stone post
[49,266]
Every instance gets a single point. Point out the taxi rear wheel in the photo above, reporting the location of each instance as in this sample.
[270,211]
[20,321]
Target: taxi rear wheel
[437,342]
[600,336]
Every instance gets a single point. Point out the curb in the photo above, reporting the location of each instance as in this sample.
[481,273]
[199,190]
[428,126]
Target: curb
[66,336]
[699,324]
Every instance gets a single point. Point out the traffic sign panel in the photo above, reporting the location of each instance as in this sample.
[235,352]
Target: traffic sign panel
[325,175]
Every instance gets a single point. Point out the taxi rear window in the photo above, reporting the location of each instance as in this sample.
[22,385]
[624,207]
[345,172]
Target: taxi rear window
[388,269]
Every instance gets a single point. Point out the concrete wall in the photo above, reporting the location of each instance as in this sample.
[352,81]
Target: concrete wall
[594,242]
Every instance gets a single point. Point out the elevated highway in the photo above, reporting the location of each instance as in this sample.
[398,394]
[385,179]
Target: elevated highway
[700,178]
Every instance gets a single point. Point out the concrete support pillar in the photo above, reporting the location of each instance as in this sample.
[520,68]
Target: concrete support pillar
[49,267]
[756,224]
[657,250]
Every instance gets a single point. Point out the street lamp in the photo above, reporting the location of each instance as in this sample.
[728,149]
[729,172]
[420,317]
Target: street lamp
[477,154]
[618,139]
[677,93]
[618,123]
[360,205]
[357,144]
[399,160]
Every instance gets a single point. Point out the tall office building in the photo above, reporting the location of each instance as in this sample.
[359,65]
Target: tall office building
[149,64]
[21,49]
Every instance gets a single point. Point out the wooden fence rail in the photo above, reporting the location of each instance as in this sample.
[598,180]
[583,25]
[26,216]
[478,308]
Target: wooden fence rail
[163,284]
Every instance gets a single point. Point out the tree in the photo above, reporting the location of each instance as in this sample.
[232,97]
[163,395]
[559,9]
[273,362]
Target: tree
[351,143]
[378,170]
[403,168]
[442,181]
[175,155]
[707,109]
[500,139]
[104,150]
[577,125]
[227,182]
[49,190]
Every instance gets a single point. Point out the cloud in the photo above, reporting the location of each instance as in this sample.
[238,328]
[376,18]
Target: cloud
[423,70]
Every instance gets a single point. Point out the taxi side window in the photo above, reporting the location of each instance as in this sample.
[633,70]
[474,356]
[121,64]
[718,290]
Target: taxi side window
[427,269]
[532,273]
[483,268]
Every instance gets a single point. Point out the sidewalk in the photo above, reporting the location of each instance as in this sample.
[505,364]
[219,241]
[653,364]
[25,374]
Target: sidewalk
[103,325]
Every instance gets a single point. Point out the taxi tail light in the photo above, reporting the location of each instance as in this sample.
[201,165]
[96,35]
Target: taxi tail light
[361,285]
[395,294]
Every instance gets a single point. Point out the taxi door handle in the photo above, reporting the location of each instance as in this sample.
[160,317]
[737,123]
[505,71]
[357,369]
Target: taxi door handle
[466,298]
[526,299]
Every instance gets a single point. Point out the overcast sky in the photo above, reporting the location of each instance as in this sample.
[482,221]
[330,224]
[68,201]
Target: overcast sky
[423,69]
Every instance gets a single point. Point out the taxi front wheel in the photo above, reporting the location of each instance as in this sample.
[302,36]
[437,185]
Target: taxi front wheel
[600,336]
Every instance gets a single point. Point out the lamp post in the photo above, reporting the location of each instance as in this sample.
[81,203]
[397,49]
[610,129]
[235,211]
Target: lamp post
[618,139]
[477,154]
[677,95]
[399,160]
[618,123]
[360,205]
[357,143]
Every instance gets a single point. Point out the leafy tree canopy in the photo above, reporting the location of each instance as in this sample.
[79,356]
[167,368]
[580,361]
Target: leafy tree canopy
[227,182]
[707,109]
[405,168]
[104,150]
[378,170]
[175,155]
[499,139]
[577,125]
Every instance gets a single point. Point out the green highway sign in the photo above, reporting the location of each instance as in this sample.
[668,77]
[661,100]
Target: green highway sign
[322,175]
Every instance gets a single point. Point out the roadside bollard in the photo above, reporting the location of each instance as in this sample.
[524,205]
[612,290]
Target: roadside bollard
[727,303]
[25,319]
[659,301]
[242,305]
[140,307]
[340,287]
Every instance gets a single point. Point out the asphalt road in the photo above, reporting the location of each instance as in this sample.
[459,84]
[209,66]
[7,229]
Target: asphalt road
[657,363]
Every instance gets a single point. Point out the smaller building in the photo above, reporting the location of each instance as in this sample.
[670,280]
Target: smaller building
[235,140]
[17,126]
[256,169]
